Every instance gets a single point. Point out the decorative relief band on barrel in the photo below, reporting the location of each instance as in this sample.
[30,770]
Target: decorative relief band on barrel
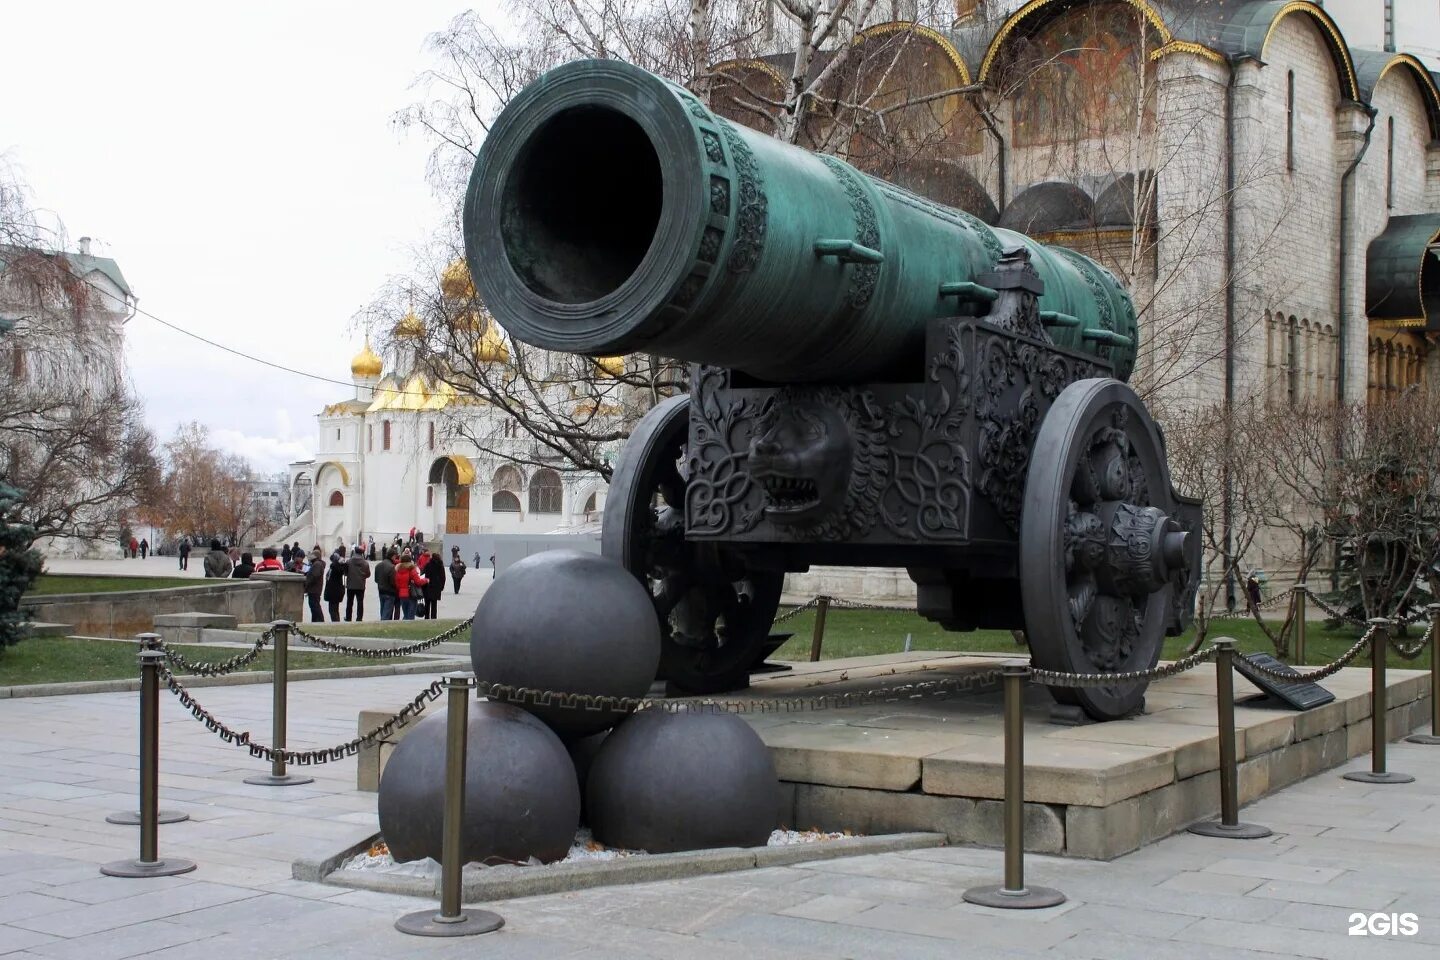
[950,215]
[863,277]
[753,209]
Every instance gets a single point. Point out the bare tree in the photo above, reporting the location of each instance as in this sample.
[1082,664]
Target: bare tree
[72,438]
[207,493]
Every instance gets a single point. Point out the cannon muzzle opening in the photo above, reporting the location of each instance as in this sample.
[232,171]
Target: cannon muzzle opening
[581,204]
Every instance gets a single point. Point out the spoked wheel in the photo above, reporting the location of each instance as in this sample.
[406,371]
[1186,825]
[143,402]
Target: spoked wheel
[715,613]
[1105,553]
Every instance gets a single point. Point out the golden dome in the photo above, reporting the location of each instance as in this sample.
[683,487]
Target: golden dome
[455,281]
[410,326]
[472,321]
[366,363]
[610,366]
[491,347]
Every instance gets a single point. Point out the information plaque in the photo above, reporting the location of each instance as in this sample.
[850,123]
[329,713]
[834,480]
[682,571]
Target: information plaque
[1300,695]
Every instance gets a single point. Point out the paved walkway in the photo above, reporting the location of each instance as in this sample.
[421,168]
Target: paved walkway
[65,762]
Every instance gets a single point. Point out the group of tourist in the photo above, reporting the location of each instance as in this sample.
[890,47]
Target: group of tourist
[410,579]
[135,548]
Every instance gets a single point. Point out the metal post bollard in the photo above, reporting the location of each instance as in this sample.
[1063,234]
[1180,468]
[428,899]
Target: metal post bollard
[1013,894]
[149,864]
[277,777]
[1297,595]
[1379,710]
[818,637]
[450,920]
[129,818]
[1433,737]
[1229,824]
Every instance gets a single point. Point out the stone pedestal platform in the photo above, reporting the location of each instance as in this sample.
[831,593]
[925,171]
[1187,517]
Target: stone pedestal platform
[1096,791]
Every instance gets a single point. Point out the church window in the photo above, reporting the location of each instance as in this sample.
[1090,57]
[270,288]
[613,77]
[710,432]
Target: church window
[503,501]
[337,499]
[545,492]
[385,435]
[432,435]
[1290,120]
[337,433]
[370,437]
[17,363]
[429,496]
[1390,167]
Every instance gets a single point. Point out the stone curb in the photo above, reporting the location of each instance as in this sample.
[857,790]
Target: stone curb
[511,882]
[231,679]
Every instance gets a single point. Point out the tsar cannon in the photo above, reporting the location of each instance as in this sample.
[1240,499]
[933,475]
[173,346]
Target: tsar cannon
[875,380]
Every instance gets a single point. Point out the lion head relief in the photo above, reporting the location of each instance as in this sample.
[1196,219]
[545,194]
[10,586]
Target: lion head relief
[818,454]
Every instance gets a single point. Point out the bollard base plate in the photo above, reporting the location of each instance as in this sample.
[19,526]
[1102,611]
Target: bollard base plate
[1370,776]
[130,818]
[1239,831]
[430,923]
[142,868]
[1026,898]
[1429,738]
[270,780]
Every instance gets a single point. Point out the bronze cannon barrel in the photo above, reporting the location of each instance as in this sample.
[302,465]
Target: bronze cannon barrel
[610,211]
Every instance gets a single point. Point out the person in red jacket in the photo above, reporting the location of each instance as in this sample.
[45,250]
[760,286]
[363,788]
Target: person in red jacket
[408,583]
[269,561]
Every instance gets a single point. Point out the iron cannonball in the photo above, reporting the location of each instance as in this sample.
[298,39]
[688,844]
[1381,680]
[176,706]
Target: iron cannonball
[664,782]
[572,622]
[582,753]
[521,798]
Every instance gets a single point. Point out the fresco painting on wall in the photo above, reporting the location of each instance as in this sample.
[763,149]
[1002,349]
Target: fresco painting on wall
[1077,77]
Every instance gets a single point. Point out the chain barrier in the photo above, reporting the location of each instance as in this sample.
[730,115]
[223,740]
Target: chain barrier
[1412,651]
[1056,678]
[577,701]
[529,696]
[796,611]
[1343,617]
[858,605]
[385,653]
[1319,673]
[205,668]
[303,758]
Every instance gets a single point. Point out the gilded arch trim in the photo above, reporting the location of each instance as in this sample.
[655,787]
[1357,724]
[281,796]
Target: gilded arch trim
[1426,83]
[464,469]
[769,69]
[1339,49]
[934,36]
[1034,6]
[340,467]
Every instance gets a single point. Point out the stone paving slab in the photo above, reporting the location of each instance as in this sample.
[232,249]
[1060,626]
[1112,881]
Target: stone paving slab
[1339,847]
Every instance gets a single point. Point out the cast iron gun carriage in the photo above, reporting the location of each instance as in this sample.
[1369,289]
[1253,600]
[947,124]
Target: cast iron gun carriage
[876,380]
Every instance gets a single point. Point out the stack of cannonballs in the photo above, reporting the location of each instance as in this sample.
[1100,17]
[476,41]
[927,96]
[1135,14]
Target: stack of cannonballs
[655,780]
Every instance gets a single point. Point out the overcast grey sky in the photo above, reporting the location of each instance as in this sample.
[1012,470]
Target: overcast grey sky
[240,164]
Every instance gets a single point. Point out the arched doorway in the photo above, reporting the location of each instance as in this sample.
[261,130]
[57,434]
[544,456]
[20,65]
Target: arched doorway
[446,473]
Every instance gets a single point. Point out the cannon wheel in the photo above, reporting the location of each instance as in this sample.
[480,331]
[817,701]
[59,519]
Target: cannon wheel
[715,613]
[1097,436]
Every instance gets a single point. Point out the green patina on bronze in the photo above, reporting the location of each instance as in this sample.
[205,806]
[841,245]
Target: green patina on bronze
[611,212]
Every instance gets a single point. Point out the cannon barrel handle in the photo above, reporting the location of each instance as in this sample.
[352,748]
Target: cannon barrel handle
[848,251]
[1107,337]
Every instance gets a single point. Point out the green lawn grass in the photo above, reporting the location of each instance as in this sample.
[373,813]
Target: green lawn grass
[863,633]
[69,583]
[64,659]
[391,630]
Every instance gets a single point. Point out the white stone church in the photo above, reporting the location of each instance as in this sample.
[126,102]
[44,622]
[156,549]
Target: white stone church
[391,458]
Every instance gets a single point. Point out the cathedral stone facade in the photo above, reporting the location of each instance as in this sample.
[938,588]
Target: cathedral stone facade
[1269,192]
